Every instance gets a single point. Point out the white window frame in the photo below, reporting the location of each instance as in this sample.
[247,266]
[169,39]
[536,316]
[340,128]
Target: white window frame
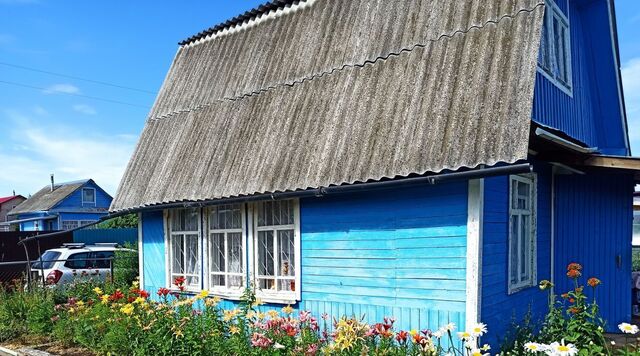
[269,296]
[77,224]
[95,198]
[169,253]
[530,179]
[226,291]
[553,11]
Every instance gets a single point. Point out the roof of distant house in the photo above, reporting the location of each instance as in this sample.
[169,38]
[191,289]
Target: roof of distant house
[46,199]
[9,198]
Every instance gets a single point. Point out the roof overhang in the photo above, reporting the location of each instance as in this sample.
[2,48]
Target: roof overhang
[19,221]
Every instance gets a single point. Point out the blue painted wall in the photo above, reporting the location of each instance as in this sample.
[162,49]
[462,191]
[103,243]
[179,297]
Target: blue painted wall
[593,227]
[592,114]
[120,236]
[388,253]
[498,307]
[74,200]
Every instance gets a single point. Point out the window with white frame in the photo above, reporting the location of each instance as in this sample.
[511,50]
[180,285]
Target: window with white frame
[70,224]
[522,234]
[88,196]
[554,59]
[184,247]
[226,248]
[276,248]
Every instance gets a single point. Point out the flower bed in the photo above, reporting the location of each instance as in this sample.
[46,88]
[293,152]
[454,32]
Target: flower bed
[126,321]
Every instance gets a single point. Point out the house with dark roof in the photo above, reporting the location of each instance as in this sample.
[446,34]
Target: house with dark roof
[427,159]
[61,206]
[6,204]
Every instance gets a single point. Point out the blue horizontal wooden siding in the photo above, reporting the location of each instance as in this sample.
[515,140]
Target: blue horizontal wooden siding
[499,308]
[74,200]
[395,253]
[593,227]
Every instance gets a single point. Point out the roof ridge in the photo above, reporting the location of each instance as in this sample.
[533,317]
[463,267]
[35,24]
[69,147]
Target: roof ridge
[407,49]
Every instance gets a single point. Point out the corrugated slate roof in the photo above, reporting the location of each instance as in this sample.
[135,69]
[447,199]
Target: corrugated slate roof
[330,92]
[45,199]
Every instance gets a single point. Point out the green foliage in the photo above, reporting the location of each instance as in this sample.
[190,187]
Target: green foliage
[120,222]
[518,335]
[636,259]
[125,265]
[25,313]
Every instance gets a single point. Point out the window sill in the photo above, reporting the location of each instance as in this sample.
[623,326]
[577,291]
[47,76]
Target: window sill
[515,289]
[235,296]
[273,298]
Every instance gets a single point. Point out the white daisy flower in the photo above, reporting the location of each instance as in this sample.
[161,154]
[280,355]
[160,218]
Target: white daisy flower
[478,329]
[628,328]
[437,334]
[477,352]
[534,347]
[463,335]
[450,327]
[561,349]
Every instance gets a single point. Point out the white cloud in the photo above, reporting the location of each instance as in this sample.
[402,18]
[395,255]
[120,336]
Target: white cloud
[69,153]
[631,83]
[85,109]
[62,88]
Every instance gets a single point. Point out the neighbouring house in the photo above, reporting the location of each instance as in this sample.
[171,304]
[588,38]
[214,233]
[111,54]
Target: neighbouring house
[61,206]
[6,204]
[427,159]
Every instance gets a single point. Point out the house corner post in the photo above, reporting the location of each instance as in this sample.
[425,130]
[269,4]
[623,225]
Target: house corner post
[474,251]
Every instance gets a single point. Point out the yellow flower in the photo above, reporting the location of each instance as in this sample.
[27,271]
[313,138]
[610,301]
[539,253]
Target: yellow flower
[234,329]
[203,294]
[105,299]
[287,310]
[260,315]
[229,314]
[273,314]
[127,309]
[257,302]
[413,332]
[464,335]
[140,300]
[135,284]
[72,310]
[178,333]
[80,304]
[251,314]
[98,290]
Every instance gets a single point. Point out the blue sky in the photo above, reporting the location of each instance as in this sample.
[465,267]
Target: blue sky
[91,133]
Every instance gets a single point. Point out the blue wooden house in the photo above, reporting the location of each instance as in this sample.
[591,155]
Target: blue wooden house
[61,206]
[427,159]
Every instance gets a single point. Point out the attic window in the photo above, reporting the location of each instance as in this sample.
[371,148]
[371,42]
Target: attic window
[88,196]
[554,59]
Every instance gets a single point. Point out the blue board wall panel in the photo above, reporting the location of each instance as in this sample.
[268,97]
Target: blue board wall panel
[395,253]
[499,308]
[74,200]
[593,227]
[153,251]
[120,236]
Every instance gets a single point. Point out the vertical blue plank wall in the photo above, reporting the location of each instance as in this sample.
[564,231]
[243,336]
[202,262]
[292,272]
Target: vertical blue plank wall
[74,200]
[593,227]
[398,252]
[153,251]
[592,113]
[498,307]
[120,236]
[395,253]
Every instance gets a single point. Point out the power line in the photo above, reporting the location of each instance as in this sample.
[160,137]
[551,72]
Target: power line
[73,94]
[76,78]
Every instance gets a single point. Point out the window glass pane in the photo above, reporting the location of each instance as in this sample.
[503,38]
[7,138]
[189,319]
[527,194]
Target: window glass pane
[192,262]
[225,217]
[524,194]
[78,261]
[217,252]
[177,248]
[217,280]
[513,254]
[184,220]
[525,242]
[88,195]
[234,252]
[265,253]
[286,247]
[544,57]
[100,259]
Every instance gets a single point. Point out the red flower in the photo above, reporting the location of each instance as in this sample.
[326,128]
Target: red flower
[573,273]
[179,281]
[401,336]
[574,310]
[574,267]
[131,299]
[594,282]
[417,338]
[143,294]
[117,295]
[163,292]
[564,295]
[571,300]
